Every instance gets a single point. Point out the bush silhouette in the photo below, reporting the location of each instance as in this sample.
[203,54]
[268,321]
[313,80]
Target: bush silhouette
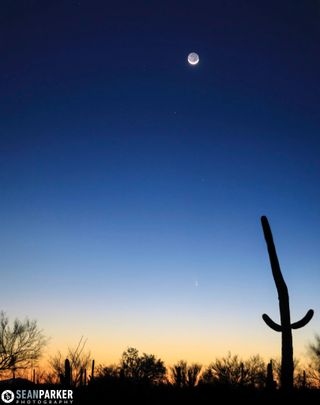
[231,371]
[184,375]
[146,368]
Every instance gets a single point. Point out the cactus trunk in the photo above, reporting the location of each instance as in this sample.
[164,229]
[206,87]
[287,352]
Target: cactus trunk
[67,373]
[286,326]
[92,371]
[283,295]
[81,377]
[270,383]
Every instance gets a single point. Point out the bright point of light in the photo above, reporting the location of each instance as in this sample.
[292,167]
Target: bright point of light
[193,58]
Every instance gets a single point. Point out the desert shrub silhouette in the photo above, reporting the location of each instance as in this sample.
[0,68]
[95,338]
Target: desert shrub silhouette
[184,374]
[145,368]
[231,371]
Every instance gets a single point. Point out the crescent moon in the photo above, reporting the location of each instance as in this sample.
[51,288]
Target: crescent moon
[193,58]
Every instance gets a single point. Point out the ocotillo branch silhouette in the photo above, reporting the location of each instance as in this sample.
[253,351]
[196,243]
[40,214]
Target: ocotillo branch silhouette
[286,326]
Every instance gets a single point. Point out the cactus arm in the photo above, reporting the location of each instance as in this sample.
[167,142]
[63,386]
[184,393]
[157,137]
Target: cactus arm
[273,325]
[303,321]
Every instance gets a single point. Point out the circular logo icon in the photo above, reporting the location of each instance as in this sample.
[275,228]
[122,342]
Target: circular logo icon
[7,396]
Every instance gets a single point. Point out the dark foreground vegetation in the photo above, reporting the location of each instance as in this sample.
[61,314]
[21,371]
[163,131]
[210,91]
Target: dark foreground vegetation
[110,391]
[126,393]
[144,379]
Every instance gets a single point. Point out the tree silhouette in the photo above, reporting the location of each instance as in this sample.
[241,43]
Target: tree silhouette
[21,344]
[108,372]
[286,326]
[226,370]
[145,368]
[179,373]
[193,373]
[232,371]
[314,366]
[184,375]
[255,371]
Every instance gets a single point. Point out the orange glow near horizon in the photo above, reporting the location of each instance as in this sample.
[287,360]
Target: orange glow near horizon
[193,348]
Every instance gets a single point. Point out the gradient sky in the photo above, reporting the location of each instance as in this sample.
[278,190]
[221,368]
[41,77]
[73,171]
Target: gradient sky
[132,183]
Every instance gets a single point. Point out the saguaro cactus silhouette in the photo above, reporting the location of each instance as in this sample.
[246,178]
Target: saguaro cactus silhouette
[286,326]
[270,383]
[92,371]
[67,373]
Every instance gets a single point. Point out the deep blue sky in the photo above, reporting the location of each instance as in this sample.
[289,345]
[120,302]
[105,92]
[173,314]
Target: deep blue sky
[132,183]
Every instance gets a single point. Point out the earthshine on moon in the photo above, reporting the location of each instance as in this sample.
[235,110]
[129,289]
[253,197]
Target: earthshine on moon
[193,58]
